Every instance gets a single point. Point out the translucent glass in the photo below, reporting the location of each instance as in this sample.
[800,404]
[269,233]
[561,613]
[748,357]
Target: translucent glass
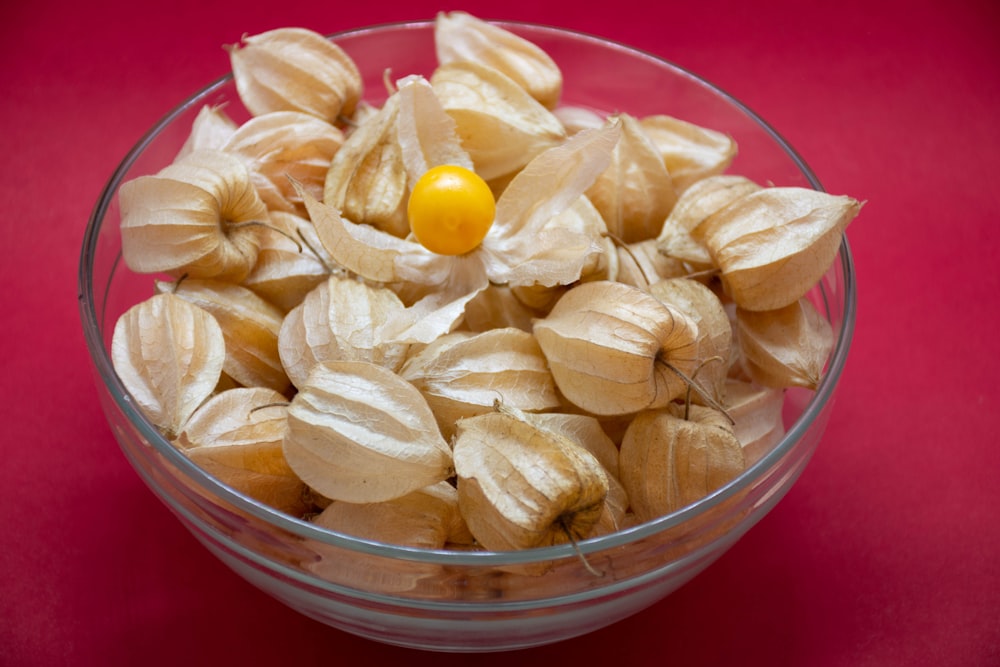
[458,601]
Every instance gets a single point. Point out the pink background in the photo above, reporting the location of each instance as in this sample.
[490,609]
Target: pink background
[885,553]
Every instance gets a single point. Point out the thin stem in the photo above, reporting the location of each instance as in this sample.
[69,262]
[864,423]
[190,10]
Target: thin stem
[282,404]
[704,273]
[266,225]
[177,283]
[576,548]
[390,87]
[694,385]
[309,246]
[619,242]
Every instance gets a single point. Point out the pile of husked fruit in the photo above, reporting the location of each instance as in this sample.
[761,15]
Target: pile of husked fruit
[470,316]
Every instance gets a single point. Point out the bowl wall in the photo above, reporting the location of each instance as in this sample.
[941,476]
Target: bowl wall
[446,600]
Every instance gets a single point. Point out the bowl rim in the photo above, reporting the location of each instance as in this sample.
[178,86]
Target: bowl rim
[100,356]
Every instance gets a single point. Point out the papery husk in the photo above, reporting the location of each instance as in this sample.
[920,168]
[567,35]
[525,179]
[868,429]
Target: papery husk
[459,36]
[587,432]
[519,249]
[169,355]
[464,374]
[668,462]
[715,333]
[520,486]
[635,193]
[199,216]
[250,327]
[291,262]
[428,518]
[427,135]
[341,319]
[358,432]
[757,413]
[788,347]
[497,307]
[367,180]
[546,233]
[499,124]
[363,112]
[772,246]
[614,349]
[283,144]
[601,262]
[690,152]
[641,264]
[681,236]
[211,129]
[236,436]
[295,69]
[575,118]
[584,430]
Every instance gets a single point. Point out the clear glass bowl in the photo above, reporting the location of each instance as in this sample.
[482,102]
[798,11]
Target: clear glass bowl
[458,601]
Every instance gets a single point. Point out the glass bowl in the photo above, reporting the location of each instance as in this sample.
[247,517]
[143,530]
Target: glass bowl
[466,601]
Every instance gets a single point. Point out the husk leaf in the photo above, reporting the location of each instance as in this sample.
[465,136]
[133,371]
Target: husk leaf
[786,347]
[772,246]
[614,349]
[690,152]
[464,374]
[500,125]
[635,193]
[187,218]
[295,69]
[459,36]
[668,462]
[360,433]
[341,319]
[520,486]
[169,355]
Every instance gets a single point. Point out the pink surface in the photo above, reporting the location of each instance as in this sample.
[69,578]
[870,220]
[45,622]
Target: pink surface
[885,553]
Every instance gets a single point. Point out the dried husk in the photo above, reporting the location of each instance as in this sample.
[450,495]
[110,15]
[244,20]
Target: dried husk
[497,307]
[199,216]
[772,246]
[283,144]
[788,347]
[428,518]
[534,240]
[519,249]
[341,319]
[211,129]
[635,193]
[757,413]
[681,236]
[614,349]
[715,332]
[586,431]
[690,152]
[295,69]
[575,118]
[459,36]
[520,486]
[600,262]
[358,432]
[169,355]
[367,180]
[499,124]
[668,462]
[291,261]
[641,264]
[464,374]
[237,435]
[427,135]
[250,327]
